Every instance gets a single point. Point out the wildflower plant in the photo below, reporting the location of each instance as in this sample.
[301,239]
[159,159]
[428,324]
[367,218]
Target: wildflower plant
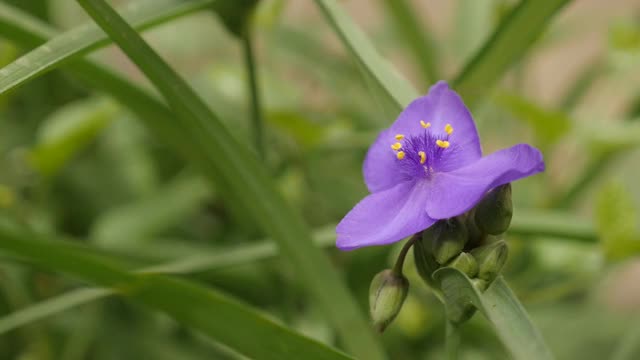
[155,194]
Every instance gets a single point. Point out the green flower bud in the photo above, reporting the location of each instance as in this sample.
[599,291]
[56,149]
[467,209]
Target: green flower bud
[493,213]
[480,284]
[386,296]
[425,263]
[491,258]
[449,239]
[465,263]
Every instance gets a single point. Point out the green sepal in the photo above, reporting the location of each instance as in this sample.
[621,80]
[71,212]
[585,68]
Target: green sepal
[387,293]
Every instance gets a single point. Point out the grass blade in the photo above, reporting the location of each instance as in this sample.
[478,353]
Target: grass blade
[525,223]
[233,168]
[507,45]
[500,306]
[214,314]
[419,41]
[51,307]
[85,38]
[392,85]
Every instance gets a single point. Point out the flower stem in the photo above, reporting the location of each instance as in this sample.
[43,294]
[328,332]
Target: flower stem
[256,108]
[452,340]
[397,268]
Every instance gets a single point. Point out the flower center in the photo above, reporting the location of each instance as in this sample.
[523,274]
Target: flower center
[421,155]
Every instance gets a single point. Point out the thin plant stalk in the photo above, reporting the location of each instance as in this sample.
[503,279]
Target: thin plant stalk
[452,340]
[257,118]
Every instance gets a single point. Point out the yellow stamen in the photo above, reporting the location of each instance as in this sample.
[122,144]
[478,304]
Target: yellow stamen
[443,144]
[424,124]
[423,157]
[448,128]
[399,137]
[397,146]
[400,155]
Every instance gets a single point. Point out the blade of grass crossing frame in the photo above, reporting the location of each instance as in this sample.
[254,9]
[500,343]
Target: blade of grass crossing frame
[391,84]
[228,163]
[212,313]
[420,43]
[82,39]
[525,223]
[500,306]
[513,37]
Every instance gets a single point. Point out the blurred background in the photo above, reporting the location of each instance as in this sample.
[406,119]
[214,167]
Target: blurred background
[77,164]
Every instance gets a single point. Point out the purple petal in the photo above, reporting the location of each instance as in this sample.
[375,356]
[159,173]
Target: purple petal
[441,106]
[385,217]
[381,170]
[456,192]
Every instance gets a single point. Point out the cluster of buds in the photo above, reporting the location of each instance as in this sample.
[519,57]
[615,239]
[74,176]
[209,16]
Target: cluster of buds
[467,243]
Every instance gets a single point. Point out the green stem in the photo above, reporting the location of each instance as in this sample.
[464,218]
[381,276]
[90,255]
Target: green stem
[257,121]
[397,268]
[452,340]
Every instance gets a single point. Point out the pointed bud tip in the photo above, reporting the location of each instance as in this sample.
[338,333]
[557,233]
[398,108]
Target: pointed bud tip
[466,263]
[449,239]
[386,295]
[493,214]
[491,259]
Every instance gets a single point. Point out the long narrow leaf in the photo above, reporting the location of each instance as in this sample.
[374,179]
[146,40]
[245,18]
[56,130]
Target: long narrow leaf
[419,41]
[232,167]
[142,14]
[393,86]
[526,223]
[507,45]
[500,306]
[216,315]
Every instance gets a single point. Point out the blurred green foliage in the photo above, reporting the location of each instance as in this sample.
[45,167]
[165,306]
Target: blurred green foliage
[76,163]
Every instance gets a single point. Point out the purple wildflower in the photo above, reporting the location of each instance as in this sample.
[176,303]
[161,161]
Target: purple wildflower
[428,166]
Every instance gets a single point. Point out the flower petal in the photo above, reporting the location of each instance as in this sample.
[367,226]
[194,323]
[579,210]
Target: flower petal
[456,192]
[441,106]
[385,217]
[380,167]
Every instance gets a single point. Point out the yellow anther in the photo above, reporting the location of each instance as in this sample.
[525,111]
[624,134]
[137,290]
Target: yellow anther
[448,128]
[400,155]
[399,137]
[396,146]
[423,157]
[443,144]
[425,124]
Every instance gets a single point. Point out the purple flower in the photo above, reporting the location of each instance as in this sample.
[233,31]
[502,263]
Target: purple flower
[428,166]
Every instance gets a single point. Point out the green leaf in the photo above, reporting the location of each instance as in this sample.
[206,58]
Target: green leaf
[513,37]
[68,130]
[616,217]
[143,219]
[552,224]
[244,182]
[388,82]
[549,125]
[44,309]
[419,40]
[212,313]
[235,14]
[143,14]
[224,258]
[500,306]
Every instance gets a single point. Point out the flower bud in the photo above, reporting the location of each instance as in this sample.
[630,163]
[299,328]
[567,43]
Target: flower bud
[424,261]
[386,296]
[480,284]
[493,213]
[491,258]
[466,263]
[449,238]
